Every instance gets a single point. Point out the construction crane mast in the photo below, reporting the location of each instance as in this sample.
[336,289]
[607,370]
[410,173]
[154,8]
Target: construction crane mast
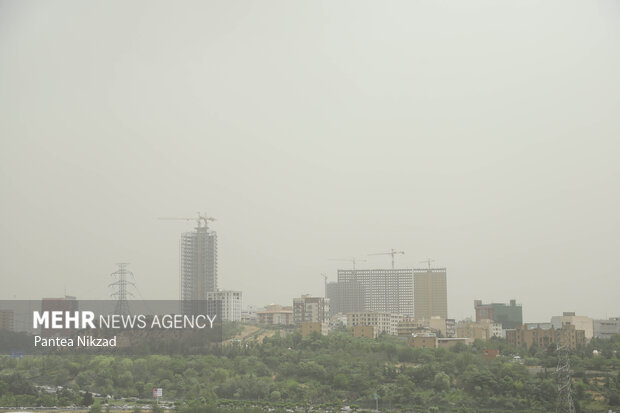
[325,278]
[353,260]
[392,252]
[428,261]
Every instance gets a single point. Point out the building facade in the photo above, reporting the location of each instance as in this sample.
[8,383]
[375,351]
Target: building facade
[313,309]
[345,297]
[424,340]
[476,331]
[509,315]
[580,322]
[275,314]
[230,304]
[567,336]
[606,328]
[309,327]
[384,290]
[363,331]
[383,323]
[430,295]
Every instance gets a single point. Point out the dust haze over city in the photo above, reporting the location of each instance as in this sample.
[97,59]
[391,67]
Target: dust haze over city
[481,134]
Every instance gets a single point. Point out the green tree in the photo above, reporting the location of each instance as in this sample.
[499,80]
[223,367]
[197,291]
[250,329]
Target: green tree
[96,407]
[441,382]
[87,400]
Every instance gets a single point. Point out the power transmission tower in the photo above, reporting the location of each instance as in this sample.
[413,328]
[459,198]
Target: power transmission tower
[121,293]
[565,385]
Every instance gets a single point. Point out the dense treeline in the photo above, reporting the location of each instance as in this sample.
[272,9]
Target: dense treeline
[333,371]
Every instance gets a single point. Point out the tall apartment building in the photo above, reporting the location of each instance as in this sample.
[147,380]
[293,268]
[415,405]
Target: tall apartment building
[230,302]
[345,297]
[382,322]
[384,290]
[580,322]
[510,316]
[606,328]
[313,309]
[430,293]
[198,265]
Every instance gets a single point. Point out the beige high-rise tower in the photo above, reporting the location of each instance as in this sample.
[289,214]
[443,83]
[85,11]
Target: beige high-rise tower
[430,293]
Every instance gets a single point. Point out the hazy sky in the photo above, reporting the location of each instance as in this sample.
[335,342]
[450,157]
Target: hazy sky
[482,134]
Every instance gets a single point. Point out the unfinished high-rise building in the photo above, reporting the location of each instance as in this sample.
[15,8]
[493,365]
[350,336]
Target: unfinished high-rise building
[384,290]
[198,263]
[430,293]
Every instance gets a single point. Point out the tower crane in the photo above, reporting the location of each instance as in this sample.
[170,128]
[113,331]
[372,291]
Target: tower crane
[428,261]
[325,277]
[200,219]
[353,260]
[392,252]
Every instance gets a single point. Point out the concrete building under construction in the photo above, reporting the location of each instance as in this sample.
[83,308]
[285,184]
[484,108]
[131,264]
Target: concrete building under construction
[382,290]
[345,297]
[430,293]
[198,263]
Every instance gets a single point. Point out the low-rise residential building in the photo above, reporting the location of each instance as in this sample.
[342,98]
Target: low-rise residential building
[482,330]
[308,308]
[337,321]
[476,331]
[276,314]
[495,329]
[567,335]
[309,327]
[450,327]
[580,322]
[606,328]
[384,323]
[230,302]
[408,326]
[363,331]
[427,340]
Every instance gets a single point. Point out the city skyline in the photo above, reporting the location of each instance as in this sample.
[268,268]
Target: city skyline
[310,132]
[191,236]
